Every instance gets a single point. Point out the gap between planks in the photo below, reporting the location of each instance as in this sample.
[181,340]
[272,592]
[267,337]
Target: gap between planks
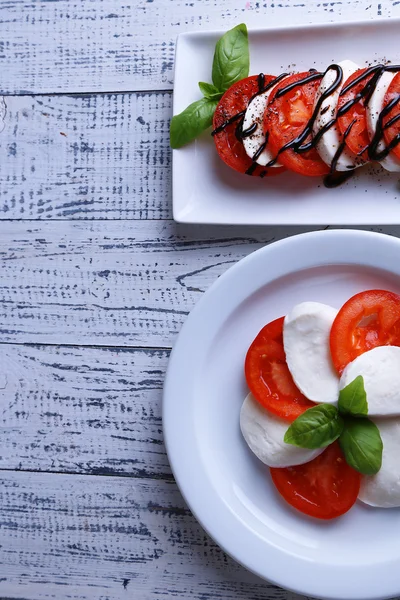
[108,45]
[97,538]
[114,283]
[94,411]
[77,94]
[86,157]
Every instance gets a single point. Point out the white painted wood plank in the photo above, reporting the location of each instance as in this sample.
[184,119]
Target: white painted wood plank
[101,45]
[122,283]
[82,410]
[96,156]
[109,538]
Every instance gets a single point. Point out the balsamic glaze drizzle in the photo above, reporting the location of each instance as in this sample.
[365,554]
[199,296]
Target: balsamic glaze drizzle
[228,122]
[299,144]
[247,132]
[240,115]
[335,178]
[313,77]
[251,168]
[392,121]
[259,151]
[373,149]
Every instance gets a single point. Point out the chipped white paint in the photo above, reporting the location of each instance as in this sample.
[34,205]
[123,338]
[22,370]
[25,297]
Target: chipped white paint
[107,538]
[113,283]
[83,410]
[117,284]
[121,283]
[103,45]
[96,156]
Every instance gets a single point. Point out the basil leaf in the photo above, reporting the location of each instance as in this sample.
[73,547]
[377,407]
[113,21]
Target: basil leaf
[231,58]
[353,399]
[362,445]
[186,126]
[209,90]
[317,427]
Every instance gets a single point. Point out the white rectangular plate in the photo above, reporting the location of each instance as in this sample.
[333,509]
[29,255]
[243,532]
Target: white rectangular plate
[205,190]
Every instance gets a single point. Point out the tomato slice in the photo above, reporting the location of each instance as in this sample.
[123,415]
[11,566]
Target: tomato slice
[235,100]
[268,375]
[367,320]
[357,139]
[325,487]
[286,118]
[391,122]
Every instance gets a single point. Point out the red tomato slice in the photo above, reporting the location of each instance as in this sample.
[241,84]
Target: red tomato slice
[229,147]
[325,487]
[358,139]
[393,129]
[367,320]
[268,376]
[286,118]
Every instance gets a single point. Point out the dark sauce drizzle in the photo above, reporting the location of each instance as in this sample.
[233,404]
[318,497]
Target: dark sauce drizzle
[243,133]
[251,168]
[299,144]
[373,152]
[336,178]
[228,122]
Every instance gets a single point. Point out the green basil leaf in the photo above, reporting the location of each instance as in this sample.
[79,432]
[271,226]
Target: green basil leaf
[362,445]
[231,58]
[353,399]
[317,427]
[186,126]
[209,90]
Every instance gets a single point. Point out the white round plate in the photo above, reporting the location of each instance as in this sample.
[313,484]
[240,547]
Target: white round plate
[355,557]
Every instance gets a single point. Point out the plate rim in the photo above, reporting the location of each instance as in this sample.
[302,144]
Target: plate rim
[294,26]
[179,214]
[347,238]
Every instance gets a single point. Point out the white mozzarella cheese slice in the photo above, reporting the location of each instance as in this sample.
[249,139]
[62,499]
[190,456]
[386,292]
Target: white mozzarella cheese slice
[264,433]
[383,489]
[306,332]
[255,115]
[380,368]
[332,138]
[374,108]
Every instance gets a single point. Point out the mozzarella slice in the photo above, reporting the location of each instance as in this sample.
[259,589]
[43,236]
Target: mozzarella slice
[383,489]
[332,138]
[306,332]
[380,368]
[255,115]
[264,434]
[374,108]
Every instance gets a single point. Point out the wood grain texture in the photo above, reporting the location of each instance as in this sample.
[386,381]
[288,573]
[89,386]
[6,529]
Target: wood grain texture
[104,46]
[123,286]
[112,283]
[95,156]
[107,538]
[82,410]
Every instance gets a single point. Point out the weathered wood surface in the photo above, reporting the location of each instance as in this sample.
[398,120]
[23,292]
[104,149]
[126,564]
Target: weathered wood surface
[122,283]
[107,538]
[122,286]
[93,156]
[82,410]
[106,46]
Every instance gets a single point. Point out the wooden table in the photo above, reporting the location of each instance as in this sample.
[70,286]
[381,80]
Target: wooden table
[96,281]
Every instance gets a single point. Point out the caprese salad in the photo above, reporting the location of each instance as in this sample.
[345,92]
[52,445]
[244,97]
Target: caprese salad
[316,123]
[323,410]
